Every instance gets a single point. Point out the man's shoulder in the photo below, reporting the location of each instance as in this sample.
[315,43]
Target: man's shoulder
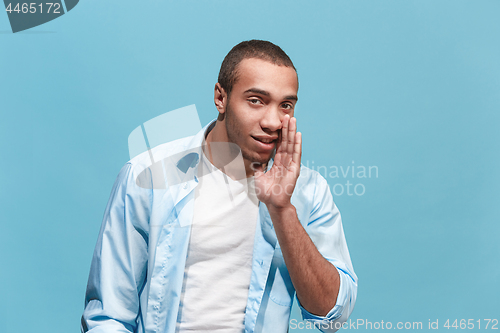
[149,169]
[310,177]
[312,194]
[175,149]
[312,184]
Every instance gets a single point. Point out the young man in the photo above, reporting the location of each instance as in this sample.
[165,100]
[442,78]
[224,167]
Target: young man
[233,234]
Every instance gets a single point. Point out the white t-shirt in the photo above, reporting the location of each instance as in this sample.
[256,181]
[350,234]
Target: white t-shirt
[219,259]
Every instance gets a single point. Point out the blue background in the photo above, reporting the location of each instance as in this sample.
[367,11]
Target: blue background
[411,87]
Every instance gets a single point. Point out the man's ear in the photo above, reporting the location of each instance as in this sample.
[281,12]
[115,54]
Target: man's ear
[220,98]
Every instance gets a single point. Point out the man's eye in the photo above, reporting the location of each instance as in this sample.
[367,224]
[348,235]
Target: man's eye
[287,106]
[254,101]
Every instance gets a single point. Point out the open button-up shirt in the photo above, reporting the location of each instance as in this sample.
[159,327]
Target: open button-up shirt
[137,269]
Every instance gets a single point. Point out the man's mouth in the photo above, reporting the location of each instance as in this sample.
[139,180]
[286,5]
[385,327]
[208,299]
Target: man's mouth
[266,143]
[265,140]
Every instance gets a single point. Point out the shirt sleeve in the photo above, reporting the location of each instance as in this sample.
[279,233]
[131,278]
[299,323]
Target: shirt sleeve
[119,263]
[326,231]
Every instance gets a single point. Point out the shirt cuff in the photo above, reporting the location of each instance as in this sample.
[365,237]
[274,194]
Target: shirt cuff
[337,311]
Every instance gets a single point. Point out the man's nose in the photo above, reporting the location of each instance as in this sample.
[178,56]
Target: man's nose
[271,120]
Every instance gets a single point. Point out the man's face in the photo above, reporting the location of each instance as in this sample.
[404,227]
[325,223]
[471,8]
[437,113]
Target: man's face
[263,94]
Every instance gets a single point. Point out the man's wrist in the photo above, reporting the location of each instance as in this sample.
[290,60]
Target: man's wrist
[282,211]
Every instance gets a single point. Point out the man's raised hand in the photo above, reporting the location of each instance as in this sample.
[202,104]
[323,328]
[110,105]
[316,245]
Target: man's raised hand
[275,187]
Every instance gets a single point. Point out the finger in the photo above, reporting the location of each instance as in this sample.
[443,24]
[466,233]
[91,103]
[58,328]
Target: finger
[297,151]
[292,129]
[284,133]
[282,151]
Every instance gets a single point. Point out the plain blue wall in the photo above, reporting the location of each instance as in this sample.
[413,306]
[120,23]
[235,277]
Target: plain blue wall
[410,87]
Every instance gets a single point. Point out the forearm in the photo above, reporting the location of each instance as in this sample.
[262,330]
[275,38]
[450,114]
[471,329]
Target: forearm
[316,280]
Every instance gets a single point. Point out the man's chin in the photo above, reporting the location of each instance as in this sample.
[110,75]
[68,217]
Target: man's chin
[262,158]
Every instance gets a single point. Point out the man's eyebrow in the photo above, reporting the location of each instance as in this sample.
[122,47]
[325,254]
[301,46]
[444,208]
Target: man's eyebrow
[257,91]
[265,93]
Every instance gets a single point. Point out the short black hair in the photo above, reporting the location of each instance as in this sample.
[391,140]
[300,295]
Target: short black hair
[254,48]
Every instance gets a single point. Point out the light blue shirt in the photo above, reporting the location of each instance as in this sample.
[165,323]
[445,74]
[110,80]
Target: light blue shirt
[137,269]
